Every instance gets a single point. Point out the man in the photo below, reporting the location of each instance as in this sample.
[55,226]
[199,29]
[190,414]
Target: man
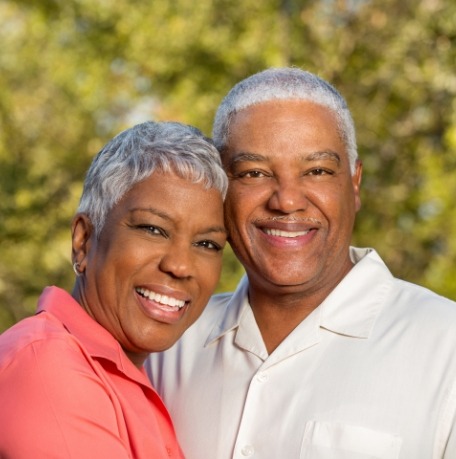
[320,352]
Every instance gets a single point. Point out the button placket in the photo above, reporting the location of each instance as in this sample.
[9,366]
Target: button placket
[248,451]
[262,376]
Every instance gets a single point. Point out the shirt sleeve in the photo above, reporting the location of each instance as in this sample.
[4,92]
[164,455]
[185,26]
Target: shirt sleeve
[54,404]
[445,438]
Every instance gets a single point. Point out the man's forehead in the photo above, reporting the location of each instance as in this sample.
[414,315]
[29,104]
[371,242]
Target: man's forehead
[280,105]
[304,157]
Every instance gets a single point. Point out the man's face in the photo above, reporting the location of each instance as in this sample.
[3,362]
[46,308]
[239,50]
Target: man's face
[292,200]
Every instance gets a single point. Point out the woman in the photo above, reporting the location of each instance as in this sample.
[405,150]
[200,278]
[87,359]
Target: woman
[147,246]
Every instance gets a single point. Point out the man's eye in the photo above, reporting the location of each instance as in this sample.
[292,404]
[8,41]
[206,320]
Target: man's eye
[252,174]
[319,171]
[210,245]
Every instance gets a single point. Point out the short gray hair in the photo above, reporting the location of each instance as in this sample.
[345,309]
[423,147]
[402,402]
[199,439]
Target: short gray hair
[285,83]
[136,153]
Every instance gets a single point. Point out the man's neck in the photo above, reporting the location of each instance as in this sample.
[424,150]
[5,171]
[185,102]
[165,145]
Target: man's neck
[278,316]
[278,310]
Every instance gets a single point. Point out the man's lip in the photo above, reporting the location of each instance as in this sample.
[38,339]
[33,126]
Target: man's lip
[288,232]
[292,226]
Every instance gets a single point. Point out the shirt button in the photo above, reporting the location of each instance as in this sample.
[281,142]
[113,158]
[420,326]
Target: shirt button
[262,377]
[248,451]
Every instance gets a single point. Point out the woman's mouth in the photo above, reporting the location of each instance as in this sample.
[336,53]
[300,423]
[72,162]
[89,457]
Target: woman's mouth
[163,300]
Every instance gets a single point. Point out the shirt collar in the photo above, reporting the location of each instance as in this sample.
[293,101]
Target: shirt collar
[233,311]
[97,341]
[353,306]
[351,309]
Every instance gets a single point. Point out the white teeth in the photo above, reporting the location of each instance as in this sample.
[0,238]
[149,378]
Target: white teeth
[276,232]
[162,299]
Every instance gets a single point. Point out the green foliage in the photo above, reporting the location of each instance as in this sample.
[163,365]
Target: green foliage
[74,73]
[400,81]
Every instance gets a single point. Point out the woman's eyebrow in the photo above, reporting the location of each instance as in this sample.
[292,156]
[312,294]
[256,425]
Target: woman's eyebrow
[150,210]
[215,229]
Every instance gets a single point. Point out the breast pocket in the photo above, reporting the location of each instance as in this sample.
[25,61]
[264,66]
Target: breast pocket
[326,440]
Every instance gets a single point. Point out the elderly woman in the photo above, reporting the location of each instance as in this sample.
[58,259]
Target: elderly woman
[147,246]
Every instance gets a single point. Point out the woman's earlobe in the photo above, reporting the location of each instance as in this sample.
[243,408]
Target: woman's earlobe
[82,232]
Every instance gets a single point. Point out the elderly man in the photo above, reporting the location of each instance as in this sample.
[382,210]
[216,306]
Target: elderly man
[320,352]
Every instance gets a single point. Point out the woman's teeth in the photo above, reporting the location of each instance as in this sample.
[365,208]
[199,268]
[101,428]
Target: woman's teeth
[162,299]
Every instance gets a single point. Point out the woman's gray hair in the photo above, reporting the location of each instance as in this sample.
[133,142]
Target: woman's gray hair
[136,153]
[285,83]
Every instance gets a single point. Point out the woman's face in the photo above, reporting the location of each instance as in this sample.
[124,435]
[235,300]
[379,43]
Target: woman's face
[156,263]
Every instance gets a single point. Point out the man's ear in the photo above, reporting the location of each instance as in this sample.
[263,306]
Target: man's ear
[82,232]
[356,180]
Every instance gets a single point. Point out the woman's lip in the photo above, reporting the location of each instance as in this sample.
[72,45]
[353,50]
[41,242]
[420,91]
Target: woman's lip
[165,300]
[161,312]
[162,289]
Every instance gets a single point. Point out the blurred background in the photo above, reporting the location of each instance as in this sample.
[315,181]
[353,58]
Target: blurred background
[73,73]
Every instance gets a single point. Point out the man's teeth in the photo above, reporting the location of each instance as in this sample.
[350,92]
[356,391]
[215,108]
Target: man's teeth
[162,299]
[276,232]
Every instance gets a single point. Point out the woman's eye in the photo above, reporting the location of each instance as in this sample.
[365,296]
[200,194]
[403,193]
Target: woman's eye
[153,229]
[211,245]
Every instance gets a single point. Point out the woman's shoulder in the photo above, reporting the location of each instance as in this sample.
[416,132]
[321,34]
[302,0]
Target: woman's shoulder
[36,340]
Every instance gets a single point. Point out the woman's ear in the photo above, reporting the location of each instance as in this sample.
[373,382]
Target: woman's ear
[82,232]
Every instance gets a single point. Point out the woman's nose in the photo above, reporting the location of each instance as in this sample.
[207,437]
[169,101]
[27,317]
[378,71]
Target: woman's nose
[178,261]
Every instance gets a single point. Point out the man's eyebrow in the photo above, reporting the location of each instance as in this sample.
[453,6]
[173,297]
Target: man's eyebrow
[245,157]
[315,156]
[324,154]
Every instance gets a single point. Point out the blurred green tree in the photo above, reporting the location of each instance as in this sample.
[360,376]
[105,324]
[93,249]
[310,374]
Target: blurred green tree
[75,73]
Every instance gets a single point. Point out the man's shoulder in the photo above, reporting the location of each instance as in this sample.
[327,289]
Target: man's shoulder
[423,317]
[219,300]
[423,302]
[213,313]
[407,298]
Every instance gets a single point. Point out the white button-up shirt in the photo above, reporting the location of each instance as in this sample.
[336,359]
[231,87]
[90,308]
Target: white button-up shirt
[369,374]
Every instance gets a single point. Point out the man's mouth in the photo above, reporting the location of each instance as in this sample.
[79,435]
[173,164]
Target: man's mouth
[160,299]
[281,233]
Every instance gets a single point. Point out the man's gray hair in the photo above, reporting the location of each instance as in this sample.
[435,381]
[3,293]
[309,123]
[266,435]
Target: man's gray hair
[285,83]
[136,153]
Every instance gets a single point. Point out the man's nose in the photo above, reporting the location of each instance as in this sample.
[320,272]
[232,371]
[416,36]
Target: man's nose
[288,196]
